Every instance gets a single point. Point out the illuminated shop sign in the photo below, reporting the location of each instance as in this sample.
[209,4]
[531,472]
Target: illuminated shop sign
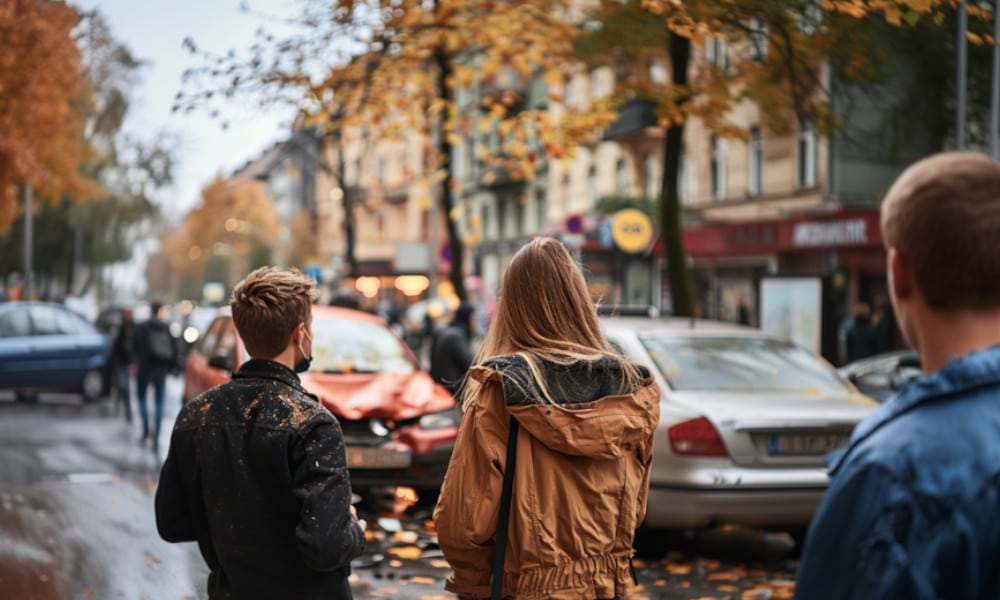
[831,233]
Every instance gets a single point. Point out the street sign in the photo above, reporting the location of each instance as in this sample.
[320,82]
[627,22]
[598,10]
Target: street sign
[632,230]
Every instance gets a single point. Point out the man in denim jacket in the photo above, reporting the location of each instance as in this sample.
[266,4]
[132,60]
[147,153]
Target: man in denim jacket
[913,509]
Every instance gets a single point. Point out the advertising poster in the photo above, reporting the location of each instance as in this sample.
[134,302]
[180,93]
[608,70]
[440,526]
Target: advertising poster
[792,308]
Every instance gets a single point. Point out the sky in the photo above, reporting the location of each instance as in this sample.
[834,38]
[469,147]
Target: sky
[153,30]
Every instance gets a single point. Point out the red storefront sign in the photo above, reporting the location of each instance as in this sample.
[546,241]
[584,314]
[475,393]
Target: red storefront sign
[847,229]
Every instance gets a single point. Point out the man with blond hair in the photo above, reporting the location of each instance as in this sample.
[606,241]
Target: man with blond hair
[256,472]
[913,508]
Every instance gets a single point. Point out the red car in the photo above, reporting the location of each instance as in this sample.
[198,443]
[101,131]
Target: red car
[398,424]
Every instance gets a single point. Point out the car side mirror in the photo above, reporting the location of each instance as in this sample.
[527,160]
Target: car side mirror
[220,361]
[903,375]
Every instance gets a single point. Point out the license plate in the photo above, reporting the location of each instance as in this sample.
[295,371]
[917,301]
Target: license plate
[376,458]
[806,443]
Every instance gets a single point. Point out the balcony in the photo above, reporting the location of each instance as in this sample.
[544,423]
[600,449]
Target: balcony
[634,118]
[506,87]
[497,177]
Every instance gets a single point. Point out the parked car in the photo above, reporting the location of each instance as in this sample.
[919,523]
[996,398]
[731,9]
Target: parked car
[189,325]
[883,375]
[45,347]
[746,420]
[398,424]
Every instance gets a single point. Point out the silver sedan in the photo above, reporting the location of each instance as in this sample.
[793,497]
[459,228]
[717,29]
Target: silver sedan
[746,419]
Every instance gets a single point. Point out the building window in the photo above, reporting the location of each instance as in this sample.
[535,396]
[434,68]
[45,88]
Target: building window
[685,192]
[715,52]
[652,172]
[755,165]
[484,213]
[621,177]
[807,155]
[501,217]
[425,225]
[718,159]
[519,225]
[541,208]
[380,168]
[599,87]
[593,191]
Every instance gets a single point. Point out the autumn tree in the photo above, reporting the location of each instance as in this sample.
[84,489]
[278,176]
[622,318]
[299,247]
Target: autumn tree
[74,239]
[235,224]
[395,69]
[42,88]
[785,81]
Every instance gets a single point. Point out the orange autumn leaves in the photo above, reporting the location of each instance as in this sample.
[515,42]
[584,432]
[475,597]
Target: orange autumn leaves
[42,91]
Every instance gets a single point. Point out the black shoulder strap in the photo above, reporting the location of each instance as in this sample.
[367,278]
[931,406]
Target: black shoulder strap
[500,551]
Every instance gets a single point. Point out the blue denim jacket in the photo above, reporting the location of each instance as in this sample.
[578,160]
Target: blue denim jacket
[913,508]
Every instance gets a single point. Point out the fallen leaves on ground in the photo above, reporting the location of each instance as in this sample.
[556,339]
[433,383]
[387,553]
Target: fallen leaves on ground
[406,552]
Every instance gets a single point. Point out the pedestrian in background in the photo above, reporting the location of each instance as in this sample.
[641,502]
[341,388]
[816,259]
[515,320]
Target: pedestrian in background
[576,419]
[911,511]
[156,357]
[451,348]
[861,338]
[256,472]
[123,362]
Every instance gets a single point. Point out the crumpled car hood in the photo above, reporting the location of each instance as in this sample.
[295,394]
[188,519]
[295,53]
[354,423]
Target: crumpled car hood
[378,395]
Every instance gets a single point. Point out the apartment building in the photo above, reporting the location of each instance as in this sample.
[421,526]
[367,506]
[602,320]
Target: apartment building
[764,205]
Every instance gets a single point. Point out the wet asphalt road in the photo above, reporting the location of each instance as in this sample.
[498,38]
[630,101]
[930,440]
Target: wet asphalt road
[76,522]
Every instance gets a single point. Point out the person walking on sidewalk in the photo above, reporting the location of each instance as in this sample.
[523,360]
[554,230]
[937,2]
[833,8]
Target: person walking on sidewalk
[256,471]
[156,357]
[123,362]
[582,419]
[911,511]
[451,348]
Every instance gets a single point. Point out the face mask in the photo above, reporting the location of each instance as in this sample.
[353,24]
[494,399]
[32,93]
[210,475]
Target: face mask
[303,365]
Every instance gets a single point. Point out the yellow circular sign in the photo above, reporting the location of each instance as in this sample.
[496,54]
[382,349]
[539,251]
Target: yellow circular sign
[632,230]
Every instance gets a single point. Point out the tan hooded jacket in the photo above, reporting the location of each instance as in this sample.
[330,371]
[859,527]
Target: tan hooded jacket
[580,482]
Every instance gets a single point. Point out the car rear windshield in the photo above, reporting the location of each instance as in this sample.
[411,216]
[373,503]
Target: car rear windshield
[345,346]
[739,364]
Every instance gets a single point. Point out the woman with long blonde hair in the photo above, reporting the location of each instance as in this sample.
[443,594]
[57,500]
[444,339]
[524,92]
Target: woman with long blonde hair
[574,421]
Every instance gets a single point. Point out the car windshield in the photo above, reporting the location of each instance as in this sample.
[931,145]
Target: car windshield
[346,346]
[743,364]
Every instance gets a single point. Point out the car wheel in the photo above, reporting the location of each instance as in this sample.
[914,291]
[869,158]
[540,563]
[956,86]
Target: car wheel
[26,397]
[92,386]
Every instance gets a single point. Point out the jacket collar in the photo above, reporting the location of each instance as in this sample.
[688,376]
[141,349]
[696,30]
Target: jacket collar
[268,369]
[960,374]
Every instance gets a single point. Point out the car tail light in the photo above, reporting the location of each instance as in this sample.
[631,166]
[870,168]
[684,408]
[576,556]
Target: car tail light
[696,437]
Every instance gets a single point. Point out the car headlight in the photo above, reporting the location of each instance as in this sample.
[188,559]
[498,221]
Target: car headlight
[190,335]
[441,420]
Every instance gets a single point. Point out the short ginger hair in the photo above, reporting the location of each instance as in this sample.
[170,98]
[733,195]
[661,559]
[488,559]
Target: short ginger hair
[267,307]
[943,215]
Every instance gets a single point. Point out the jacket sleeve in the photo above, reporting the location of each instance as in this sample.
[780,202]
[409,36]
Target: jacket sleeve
[328,535]
[646,457]
[849,550]
[139,343]
[175,520]
[469,504]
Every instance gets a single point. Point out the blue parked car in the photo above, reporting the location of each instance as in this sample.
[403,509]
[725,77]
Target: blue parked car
[47,347]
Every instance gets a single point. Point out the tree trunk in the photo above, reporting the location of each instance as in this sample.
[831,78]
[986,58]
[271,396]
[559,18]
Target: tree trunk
[446,152]
[347,201]
[675,267]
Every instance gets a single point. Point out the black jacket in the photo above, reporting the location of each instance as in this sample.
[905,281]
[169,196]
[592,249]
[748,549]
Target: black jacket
[148,365]
[123,346]
[451,356]
[257,475]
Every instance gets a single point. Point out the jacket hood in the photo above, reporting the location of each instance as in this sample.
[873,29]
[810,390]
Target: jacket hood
[589,417]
